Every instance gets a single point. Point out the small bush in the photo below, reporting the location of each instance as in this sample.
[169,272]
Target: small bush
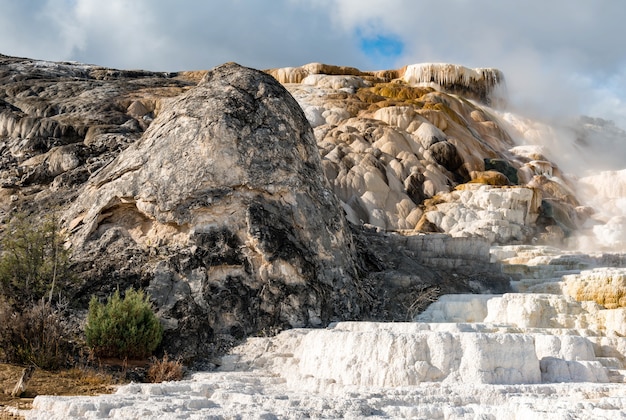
[165,370]
[34,336]
[33,264]
[123,328]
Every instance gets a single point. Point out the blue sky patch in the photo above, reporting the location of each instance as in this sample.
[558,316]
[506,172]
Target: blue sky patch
[382,50]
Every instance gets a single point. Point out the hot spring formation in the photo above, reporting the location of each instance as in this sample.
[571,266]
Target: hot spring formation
[247,202]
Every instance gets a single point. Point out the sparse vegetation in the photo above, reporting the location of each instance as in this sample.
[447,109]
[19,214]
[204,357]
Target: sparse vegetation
[34,280]
[34,264]
[123,328]
[165,369]
[34,336]
[34,272]
[421,300]
[74,381]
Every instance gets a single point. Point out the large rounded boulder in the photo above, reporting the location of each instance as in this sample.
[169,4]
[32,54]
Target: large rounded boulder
[222,212]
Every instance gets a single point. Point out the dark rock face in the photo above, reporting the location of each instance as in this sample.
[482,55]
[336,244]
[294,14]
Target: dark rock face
[504,168]
[406,273]
[445,154]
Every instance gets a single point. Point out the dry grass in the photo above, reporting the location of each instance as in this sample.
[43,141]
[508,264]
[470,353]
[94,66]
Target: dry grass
[165,370]
[421,300]
[75,381]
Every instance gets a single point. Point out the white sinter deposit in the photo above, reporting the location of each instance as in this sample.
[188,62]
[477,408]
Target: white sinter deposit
[539,354]
[606,191]
[444,74]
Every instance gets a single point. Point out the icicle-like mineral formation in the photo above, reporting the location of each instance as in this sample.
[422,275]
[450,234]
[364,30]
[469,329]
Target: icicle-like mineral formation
[479,83]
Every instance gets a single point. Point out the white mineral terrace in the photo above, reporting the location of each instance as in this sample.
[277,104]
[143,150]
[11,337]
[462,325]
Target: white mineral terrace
[449,74]
[536,354]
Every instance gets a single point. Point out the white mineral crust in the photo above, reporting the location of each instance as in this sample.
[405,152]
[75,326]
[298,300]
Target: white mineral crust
[513,356]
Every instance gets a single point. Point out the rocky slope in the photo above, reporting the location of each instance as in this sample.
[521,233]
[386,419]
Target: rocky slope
[241,210]
[402,154]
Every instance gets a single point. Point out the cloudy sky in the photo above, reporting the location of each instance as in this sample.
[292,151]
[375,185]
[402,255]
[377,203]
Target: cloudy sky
[560,57]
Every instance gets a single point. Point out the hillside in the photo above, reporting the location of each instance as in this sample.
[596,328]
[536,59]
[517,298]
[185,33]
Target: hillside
[212,191]
[249,202]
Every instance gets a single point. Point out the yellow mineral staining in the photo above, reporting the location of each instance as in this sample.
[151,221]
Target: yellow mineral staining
[288,74]
[152,99]
[426,226]
[384,169]
[606,287]
[297,74]
[193,76]
[479,84]
[437,118]
[383,95]
[494,178]
[398,91]
[319,68]
[445,109]
[452,74]
[554,188]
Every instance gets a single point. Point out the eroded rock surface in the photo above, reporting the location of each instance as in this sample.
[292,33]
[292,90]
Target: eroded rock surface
[211,191]
[226,194]
[208,190]
[61,122]
[404,149]
[541,355]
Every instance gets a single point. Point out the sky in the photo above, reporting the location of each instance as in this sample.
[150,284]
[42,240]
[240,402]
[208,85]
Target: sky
[559,57]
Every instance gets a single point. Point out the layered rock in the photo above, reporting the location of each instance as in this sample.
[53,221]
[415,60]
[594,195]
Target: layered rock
[605,286]
[405,355]
[241,393]
[500,215]
[408,272]
[478,84]
[209,192]
[390,140]
[389,148]
[61,122]
[472,83]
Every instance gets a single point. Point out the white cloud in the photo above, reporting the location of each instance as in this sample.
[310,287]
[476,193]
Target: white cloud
[26,31]
[545,48]
[173,34]
[609,98]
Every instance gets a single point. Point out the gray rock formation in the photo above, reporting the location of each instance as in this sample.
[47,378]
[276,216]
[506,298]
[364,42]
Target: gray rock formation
[207,190]
[225,191]
[61,122]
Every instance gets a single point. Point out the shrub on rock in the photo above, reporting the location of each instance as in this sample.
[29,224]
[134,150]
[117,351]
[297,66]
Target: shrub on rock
[123,328]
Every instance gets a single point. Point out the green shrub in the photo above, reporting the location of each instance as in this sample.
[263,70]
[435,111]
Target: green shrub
[34,264]
[123,328]
[35,335]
